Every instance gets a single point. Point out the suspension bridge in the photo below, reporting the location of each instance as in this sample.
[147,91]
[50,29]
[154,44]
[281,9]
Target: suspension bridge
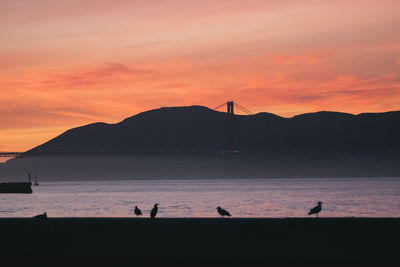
[230,107]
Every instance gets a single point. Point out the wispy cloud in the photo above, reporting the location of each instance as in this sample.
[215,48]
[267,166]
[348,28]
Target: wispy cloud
[103,74]
[305,58]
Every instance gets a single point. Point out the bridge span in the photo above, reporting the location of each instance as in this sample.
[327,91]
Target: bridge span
[11,154]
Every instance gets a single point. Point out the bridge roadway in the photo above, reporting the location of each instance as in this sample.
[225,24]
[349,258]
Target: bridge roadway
[10,154]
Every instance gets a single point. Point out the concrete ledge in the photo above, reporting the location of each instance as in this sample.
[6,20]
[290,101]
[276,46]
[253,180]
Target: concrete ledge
[202,240]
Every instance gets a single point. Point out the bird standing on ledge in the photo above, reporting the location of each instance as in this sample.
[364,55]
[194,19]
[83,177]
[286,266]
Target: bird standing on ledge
[223,212]
[137,211]
[153,212]
[317,209]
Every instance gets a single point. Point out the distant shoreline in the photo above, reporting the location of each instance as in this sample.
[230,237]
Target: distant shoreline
[44,181]
[192,166]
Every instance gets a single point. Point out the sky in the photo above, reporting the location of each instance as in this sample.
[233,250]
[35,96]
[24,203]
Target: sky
[67,63]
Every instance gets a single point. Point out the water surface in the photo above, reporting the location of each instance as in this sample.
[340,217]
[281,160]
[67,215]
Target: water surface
[342,197]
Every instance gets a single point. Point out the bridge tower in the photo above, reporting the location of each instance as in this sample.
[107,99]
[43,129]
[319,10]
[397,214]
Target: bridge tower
[231,127]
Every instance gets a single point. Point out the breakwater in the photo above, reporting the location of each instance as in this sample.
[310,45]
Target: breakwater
[202,240]
[15,188]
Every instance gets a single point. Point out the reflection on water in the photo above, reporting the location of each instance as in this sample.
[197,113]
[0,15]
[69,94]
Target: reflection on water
[342,197]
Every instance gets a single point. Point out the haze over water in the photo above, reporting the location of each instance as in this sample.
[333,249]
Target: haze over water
[342,197]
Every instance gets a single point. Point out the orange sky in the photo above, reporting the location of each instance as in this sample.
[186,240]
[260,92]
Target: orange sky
[67,63]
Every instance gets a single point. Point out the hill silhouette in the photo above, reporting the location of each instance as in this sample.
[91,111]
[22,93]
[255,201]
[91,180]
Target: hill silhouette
[189,143]
[200,129]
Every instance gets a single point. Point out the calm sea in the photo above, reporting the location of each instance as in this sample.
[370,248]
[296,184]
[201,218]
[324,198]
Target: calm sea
[341,197]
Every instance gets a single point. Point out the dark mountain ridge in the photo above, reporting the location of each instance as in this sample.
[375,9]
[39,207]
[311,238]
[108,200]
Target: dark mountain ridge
[200,129]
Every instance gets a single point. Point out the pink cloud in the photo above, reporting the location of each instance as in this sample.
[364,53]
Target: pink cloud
[305,58]
[90,77]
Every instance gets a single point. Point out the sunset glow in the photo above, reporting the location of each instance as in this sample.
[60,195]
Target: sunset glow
[68,63]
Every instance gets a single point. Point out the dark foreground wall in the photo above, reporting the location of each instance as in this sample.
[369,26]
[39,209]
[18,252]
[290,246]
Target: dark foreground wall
[114,241]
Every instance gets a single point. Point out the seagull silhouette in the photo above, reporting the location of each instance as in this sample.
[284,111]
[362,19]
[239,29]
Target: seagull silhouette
[317,209]
[137,211]
[223,212]
[153,212]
